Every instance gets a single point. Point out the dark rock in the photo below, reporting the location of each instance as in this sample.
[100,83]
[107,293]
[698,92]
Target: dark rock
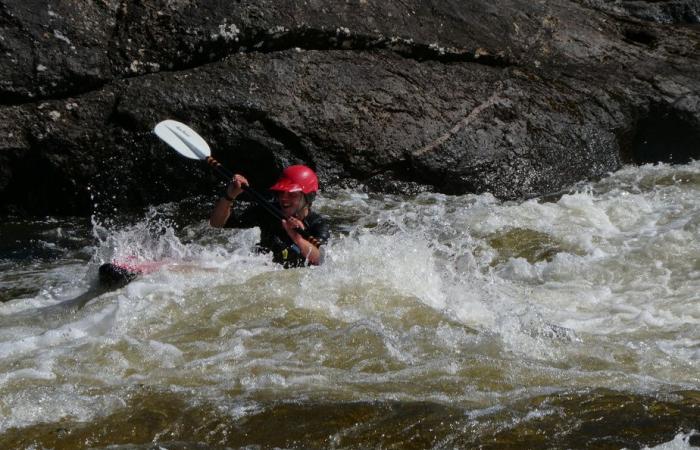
[667,134]
[694,440]
[51,49]
[664,11]
[518,99]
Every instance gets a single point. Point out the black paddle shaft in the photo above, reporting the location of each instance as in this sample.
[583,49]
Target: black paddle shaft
[262,201]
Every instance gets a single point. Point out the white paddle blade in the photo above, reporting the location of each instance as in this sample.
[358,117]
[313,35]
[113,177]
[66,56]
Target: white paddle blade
[183,139]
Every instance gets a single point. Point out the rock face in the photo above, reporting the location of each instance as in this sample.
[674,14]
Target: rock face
[661,11]
[517,98]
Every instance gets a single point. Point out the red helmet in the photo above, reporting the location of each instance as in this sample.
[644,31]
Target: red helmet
[297,179]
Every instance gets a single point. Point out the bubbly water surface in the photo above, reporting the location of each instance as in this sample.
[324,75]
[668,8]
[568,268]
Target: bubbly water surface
[435,321]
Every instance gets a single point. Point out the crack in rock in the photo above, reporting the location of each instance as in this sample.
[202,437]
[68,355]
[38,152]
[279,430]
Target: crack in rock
[230,41]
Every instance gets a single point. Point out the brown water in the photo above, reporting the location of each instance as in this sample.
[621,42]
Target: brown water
[435,322]
[595,419]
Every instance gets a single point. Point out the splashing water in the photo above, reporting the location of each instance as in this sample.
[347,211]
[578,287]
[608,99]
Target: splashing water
[437,321]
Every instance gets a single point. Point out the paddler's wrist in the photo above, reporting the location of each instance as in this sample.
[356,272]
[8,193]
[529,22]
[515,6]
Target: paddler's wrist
[306,249]
[231,196]
[231,192]
[301,242]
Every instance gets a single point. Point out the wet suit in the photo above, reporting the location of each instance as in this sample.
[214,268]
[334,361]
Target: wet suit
[274,239]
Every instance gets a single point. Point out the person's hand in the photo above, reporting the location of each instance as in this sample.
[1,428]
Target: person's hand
[292,225]
[235,187]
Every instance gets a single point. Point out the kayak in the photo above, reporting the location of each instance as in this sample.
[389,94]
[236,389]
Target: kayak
[112,276]
[116,274]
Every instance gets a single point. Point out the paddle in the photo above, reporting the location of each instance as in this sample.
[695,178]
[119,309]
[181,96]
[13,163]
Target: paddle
[189,144]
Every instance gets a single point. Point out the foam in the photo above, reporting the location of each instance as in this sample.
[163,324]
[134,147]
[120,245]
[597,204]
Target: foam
[679,442]
[71,332]
[411,302]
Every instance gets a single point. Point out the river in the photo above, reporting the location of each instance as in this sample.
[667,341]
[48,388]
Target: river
[435,322]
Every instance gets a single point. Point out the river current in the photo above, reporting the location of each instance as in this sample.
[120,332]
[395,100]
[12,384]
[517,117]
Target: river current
[435,322]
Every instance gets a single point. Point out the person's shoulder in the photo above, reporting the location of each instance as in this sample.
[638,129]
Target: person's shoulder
[313,218]
[318,227]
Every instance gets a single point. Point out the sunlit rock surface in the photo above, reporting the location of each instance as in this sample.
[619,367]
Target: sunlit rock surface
[519,99]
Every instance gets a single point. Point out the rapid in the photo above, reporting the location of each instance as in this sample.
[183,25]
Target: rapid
[435,321]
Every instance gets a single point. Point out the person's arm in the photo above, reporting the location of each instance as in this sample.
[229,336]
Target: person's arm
[222,210]
[307,249]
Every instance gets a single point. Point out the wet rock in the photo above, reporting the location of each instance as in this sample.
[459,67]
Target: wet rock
[518,99]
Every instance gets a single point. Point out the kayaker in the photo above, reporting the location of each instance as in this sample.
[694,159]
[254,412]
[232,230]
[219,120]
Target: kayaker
[295,192]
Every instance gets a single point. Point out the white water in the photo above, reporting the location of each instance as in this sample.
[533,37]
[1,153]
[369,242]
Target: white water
[679,442]
[416,300]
